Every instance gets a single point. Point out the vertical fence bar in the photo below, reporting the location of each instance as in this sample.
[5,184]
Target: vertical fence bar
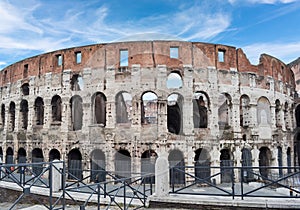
[63,184]
[50,184]
[143,180]
[172,180]
[242,182]
[232,180]
[98,198]
[124,193]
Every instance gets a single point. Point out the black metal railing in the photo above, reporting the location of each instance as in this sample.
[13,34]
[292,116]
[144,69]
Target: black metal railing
[81,189]
[240,181]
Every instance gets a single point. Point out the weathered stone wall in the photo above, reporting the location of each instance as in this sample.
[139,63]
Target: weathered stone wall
[149,65]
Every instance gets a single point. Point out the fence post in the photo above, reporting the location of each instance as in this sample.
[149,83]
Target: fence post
[162,176]
[242,182]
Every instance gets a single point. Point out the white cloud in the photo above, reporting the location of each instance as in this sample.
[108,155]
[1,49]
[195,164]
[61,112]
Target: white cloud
[287,52]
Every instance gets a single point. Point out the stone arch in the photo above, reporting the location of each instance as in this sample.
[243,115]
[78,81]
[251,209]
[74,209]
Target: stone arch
[174,80]
[98,173]
[12,116]
[278,113]
[286,115]
[123,107]
[39,111]
[1,155]
[24,114]
[123,163]
[9,159]
[148,160]
[247,162]
[264,161]
[202,165]
[201,104]
[37,157]
[56,108]
[174,113]
[2,115]
[76,113]
[289,159]
[25,89]
[263,111]
[99,108]
[21,155]
[279,160]
[297,113]
[245,111]
[54,154]
[176,159]
[149,108]
[75,164]
[224,111]
[225,162]
[76,82]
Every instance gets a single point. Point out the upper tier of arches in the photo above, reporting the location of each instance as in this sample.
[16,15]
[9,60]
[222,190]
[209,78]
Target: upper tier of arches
[123,56]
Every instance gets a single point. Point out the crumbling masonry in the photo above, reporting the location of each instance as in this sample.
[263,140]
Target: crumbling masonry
[119,106]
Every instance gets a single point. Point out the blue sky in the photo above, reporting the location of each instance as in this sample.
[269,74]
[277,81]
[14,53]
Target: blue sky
[32,27]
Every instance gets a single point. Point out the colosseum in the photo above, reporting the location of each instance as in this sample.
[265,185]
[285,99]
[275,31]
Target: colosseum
[119,106]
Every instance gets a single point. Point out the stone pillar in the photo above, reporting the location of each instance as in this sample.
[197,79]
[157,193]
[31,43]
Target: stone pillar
[162,176]
[56,175]
[215,161]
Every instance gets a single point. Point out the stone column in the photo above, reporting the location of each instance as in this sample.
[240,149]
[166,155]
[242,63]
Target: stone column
[56,175]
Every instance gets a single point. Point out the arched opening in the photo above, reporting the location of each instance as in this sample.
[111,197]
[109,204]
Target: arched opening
[224,111]
[54,154]
[278,114]
[39,111]
[289,159]
[56,108]
[25,89]
[174,80]
[24,114]
[148,166]
[98,173]
[123,164]
[21,155]
[1,155]
[37,157]
[99,108]
[247,162]
[9,159]
[76,82]
[2,115]
[76,113]
[264,161]
[297,113]
[263,112]
[174,113]
[200,104]
[75,164]
[149,108]
[12,114]
[123,107]
[297,150]
[226,163]
[176,162]
[202,165]
[244,111]
[286,115]
[279,159]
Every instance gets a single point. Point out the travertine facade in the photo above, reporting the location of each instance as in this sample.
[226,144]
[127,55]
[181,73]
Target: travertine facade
[118,105]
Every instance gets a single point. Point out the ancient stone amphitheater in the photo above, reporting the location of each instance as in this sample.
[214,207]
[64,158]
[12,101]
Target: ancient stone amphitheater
[119,106]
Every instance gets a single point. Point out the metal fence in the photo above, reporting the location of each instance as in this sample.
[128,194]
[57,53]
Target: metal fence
[239,181]
[75,187]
